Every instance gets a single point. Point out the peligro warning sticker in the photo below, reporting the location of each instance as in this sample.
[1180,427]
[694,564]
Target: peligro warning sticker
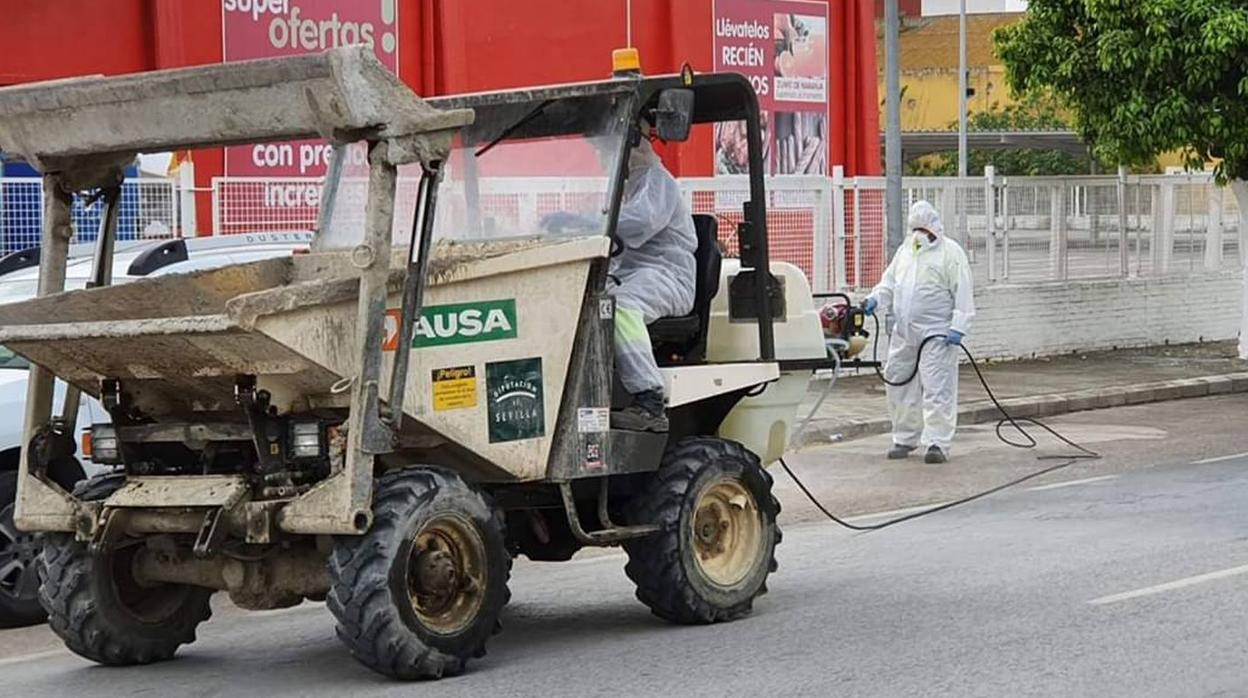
[454,388]
[593,420]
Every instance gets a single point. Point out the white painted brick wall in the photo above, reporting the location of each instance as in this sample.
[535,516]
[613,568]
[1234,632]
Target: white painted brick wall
[1026,320]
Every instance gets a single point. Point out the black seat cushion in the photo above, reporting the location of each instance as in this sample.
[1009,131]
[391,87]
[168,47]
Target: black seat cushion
[683,339]
[674,329]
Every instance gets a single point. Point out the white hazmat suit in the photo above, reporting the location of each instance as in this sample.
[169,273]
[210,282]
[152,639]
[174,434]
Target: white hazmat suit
[928,291]
[653,277]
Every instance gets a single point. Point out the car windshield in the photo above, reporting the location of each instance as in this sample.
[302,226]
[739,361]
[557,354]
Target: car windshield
[506,177]
[10,360]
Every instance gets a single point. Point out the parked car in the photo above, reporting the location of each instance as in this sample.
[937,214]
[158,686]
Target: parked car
[19,278]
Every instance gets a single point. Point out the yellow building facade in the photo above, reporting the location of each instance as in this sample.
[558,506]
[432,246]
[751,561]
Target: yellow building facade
[929,73]
[929,70]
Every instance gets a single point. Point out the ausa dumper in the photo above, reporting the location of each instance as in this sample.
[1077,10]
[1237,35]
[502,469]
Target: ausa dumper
[385,422]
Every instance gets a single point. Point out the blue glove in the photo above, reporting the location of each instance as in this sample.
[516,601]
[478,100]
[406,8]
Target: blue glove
[868,306]
[954,338]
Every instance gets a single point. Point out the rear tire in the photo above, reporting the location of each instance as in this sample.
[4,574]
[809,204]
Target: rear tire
[716,544]
[100,611]
[19,573]
[420,594]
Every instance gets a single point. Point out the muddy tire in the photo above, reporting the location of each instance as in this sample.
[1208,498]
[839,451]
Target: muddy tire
[420,594]
[716,546]
[98,609]
[19,573]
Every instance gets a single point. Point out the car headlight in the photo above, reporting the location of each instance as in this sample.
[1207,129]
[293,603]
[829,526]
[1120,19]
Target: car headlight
[105,446]
[305,439]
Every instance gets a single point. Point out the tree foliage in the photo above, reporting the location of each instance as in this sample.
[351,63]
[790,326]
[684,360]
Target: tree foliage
[1035,112]
[1142,77]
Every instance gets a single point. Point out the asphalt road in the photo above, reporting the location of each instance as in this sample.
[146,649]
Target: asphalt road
[1127,581]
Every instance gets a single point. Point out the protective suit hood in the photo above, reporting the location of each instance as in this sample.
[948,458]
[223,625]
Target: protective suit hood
[924,215]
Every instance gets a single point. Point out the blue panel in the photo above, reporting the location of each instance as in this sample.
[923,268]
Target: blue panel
[21,210]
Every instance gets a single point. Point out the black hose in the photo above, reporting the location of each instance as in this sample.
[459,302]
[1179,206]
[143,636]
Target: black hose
[1006,418]
[924,512]
[1082,452]
[876,360]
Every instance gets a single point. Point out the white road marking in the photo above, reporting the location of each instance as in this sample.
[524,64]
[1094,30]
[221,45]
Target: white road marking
[1170,586]
[1219,459]
[34,656]
[1071,483]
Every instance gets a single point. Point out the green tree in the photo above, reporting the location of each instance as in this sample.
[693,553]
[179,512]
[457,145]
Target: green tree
[1034,112]
[1143,77]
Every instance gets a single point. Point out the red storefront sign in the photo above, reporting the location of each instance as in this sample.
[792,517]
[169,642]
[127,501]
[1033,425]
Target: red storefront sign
[782,46]
[268,28]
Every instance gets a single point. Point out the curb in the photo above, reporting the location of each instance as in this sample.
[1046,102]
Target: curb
[1048,405]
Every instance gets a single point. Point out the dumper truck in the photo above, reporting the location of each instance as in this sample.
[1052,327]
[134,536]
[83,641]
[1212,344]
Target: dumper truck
[385,422]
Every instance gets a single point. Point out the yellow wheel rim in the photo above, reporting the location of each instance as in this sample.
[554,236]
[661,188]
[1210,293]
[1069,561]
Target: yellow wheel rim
[446,572]
[727,532]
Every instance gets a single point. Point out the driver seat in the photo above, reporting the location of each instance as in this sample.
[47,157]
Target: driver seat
[682,340]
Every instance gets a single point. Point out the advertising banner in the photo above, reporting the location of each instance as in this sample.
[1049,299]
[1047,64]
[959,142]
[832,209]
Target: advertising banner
[269,28]
[782,47]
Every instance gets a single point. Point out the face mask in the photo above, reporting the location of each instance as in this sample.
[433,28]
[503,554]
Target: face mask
[922,240]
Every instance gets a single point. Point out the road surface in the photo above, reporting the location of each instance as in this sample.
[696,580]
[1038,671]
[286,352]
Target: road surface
[1124,581]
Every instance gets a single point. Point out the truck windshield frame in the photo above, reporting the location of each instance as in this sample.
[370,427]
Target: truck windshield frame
[546,167]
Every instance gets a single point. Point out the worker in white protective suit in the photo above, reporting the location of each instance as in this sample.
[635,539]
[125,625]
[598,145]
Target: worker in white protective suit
[928,291]
[651,277]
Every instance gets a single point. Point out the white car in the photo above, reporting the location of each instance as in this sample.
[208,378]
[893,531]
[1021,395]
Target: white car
[19,278]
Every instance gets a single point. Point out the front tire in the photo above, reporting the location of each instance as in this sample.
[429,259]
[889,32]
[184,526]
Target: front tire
[19,574]
[716,544]
[100,611]
[420,594]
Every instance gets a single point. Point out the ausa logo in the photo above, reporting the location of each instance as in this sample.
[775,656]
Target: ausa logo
[458,323]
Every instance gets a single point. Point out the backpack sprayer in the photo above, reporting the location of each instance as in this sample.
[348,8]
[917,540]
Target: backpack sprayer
[845,335]
[844,325]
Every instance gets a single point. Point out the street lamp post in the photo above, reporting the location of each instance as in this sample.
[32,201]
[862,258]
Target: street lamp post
[962,147]
[962,88]
[892,130]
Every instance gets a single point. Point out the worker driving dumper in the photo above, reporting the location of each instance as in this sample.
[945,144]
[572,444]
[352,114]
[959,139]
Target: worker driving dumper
[651,277]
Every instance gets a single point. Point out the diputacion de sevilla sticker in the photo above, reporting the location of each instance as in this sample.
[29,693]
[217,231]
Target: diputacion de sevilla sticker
[514,400]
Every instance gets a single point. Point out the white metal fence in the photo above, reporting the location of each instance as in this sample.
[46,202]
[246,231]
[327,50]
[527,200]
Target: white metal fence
[799,208]
[1022,229]
[264,204]
[799,219]
[148,210]
[1015,229]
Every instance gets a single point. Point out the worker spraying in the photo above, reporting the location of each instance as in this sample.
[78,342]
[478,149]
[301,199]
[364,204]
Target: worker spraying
[927,289]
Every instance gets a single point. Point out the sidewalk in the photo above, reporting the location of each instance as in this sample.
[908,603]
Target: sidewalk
[857,405]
